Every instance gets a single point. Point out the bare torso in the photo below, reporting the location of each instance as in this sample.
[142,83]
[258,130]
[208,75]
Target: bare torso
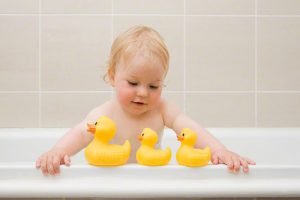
[128,127]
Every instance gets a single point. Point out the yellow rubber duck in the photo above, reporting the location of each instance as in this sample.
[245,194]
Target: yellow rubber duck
[187,155]
[147,155]
[99,152]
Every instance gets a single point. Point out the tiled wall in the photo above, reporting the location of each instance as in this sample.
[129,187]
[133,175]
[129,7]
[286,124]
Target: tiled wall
[234,63]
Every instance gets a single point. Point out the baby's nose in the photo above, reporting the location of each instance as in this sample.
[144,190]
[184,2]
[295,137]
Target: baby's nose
[142,91]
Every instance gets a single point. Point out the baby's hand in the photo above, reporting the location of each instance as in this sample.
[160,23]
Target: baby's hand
[50,161]
[232,160]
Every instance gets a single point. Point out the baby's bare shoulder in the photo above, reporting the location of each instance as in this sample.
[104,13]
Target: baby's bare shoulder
[95,113]
[168,106]
[169,111]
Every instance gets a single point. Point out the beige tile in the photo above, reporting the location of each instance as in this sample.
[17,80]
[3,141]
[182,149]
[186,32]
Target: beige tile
[19,53]
[279,7]
[148,7]
[19,7]
[278,53]
[68,109]
[216,7]
[278,110]
[77,6]
[19,110]
[74,52]
[171,29]
[221,110]
[220,53]
[176,98]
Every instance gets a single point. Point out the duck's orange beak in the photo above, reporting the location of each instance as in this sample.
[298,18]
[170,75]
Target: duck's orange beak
[91,128]
[180,138]
[140,137]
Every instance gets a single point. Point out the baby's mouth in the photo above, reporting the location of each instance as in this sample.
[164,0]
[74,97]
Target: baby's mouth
[138,103]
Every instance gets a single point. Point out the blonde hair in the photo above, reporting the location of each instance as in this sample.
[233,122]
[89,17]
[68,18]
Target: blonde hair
[137,39]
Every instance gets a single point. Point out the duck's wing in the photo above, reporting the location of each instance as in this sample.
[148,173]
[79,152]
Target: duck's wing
[203,151]
[127,147]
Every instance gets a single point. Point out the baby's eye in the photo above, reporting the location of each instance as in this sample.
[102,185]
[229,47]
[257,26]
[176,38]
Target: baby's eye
[132,83]
[153,87]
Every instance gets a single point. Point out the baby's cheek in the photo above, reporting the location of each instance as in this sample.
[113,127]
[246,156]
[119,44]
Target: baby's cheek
[124,96]
[155,97]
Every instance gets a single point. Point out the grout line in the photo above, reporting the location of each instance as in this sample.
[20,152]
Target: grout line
[216,15]
[249,91]
[112,34]
[39,66]
[277,15]
[256,66]
[255,15]
[153,15]
[184,56]
[70,92]
[112,21]
[279,91]
[165,91]
[52,92]
[220,92]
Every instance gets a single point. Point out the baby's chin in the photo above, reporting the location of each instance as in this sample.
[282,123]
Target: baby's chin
[137,110]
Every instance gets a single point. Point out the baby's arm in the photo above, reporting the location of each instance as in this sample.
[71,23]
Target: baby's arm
[72,142]
[176,120]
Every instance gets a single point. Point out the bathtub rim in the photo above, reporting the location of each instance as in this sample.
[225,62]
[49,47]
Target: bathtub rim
[116,188]
[237,188]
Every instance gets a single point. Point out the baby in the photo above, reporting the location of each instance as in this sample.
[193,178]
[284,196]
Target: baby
[137,67]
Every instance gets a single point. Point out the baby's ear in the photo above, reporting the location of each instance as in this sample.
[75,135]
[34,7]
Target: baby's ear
[111,78]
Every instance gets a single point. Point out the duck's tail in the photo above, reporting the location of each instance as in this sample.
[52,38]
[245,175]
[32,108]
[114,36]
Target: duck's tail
[207,153]
[127,148]
[168,153]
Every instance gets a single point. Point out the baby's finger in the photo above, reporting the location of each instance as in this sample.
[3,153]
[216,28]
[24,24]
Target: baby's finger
[67,160]
[236,163]
[50,165]
[56,164]
[244,164]
[38,163]
[228,161]
[251,162]
[214,159]
[44,166]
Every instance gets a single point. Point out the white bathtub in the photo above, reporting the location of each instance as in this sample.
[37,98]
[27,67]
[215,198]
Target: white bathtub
[277,172]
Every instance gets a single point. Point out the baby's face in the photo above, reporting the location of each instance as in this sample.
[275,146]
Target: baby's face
[138,83]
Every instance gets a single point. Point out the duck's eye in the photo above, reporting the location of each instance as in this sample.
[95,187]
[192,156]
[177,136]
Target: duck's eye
[96,123]
[142,134]
[183,134]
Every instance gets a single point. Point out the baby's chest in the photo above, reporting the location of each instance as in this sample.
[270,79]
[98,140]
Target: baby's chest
[130,129]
